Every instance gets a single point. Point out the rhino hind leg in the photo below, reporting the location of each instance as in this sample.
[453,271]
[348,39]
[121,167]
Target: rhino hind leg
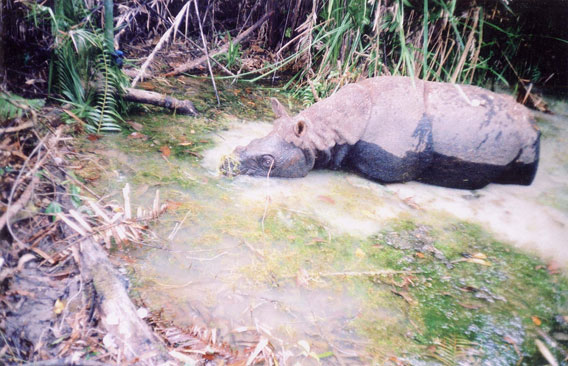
[519,171]
[451,172]
[374,162]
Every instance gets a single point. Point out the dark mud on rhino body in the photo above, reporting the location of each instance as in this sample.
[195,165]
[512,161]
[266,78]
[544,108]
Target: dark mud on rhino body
[395,129]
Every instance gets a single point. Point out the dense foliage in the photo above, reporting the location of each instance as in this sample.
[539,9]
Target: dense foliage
[318,45]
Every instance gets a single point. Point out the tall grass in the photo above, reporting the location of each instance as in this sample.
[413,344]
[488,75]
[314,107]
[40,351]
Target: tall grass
[344,40]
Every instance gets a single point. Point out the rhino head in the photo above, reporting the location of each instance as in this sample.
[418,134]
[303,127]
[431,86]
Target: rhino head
[272,155]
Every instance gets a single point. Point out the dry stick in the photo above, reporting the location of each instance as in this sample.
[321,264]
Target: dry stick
[165,37]
[314,91]
[66,362]
[9,212]
[160,100]
[20,203]
[212,59]
[356,274]
[23,126]
[468,45]
[267,196]
[475,58]
[78,182]
[364,273]
[206,52]
[194,63]
[134,338]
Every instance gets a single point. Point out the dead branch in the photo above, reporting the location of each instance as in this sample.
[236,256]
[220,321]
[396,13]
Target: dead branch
[132,336]
[20,203]
[160,100]
[23,126]
[66,362]
[164,38]
[194,63]
[466,50]
[365,273]
[357,274]
[48,141]
[206,52]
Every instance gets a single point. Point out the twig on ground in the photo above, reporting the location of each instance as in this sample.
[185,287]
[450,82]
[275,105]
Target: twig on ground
[48,141]
[23,126]
[178,226]
[356,274]
[206,52]
[267,196]
[160,100]
[66,362]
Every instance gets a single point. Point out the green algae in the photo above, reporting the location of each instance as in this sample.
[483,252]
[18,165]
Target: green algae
[488,302]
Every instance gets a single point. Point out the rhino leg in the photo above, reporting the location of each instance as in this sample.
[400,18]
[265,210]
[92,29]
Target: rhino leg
[523,169]
[451,172]
[378,164]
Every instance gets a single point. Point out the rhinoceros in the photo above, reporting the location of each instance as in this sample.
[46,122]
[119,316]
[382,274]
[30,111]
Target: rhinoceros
[397,129]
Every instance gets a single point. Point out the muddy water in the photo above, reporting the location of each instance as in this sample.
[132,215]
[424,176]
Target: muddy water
[534,218]
[236,262]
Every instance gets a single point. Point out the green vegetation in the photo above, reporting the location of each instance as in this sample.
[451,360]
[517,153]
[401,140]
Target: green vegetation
[434,40]
[12,106]
[81,69]
[476,294]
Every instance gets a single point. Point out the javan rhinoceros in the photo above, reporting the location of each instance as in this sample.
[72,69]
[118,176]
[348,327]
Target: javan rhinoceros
[396,129]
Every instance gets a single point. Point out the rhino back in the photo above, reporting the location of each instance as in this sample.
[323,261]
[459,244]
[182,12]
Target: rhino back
[476,125]
[479,137]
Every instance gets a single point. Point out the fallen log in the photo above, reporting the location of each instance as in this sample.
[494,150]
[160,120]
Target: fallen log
[134,339]
[198,61]
[160,100]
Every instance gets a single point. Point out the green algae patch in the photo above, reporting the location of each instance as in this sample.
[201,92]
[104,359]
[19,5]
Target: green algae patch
[484,292]
[421,289]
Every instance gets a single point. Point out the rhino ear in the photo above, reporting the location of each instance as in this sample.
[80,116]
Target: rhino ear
[300,128]
[278,108]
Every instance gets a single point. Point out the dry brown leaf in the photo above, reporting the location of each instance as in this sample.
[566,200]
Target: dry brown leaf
[137,136]
[135,125]
[553,267]
[173,205]
[405,295]
[165,151]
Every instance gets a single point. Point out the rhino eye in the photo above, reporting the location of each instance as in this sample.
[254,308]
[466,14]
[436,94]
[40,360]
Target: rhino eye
[266,161]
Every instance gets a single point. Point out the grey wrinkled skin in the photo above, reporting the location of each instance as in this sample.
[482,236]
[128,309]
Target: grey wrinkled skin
[272,153]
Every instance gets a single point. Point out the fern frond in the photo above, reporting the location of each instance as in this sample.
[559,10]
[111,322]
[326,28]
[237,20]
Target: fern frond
[107,94]
[12,106]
